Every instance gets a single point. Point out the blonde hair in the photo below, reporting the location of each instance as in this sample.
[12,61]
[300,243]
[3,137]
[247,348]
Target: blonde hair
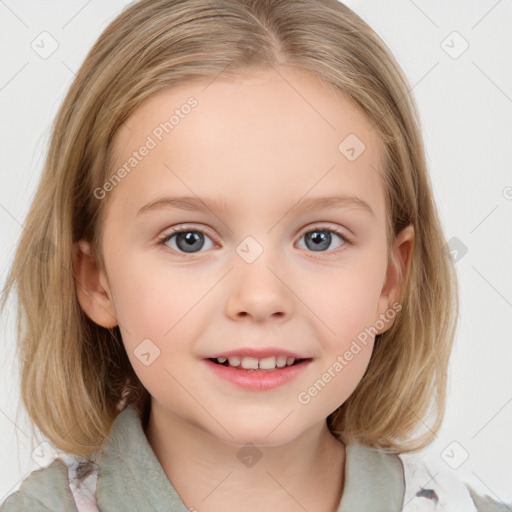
[75,375]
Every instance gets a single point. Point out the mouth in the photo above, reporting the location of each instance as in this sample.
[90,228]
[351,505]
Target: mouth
[247,374]
[254,365]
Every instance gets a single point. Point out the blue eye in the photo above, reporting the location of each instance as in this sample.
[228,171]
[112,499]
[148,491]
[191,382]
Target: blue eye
[187,240]
[318,239]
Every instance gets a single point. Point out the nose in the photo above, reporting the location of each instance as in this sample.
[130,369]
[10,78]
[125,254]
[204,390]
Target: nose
[259,292]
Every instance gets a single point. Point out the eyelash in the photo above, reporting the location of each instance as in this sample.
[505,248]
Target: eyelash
[165,238]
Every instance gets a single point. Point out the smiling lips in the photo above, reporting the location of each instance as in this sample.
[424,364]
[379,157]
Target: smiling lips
[257,359]
[255,378]
[251,363]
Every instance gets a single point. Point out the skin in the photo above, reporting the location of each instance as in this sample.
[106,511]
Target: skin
[260,142]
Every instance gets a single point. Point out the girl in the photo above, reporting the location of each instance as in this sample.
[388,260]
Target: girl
[232,283]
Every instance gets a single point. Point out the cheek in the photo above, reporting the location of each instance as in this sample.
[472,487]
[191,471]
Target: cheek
[151,301]
[345,303]
[346,299]
[156,319]
[160,313]
[339,374]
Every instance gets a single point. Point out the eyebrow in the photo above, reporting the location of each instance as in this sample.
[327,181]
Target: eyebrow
[203,204]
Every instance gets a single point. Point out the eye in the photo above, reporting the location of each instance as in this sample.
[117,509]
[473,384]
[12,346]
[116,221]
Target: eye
[192,240]
[320,238]
[185,240]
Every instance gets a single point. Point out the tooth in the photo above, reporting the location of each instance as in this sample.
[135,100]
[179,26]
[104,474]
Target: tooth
[234,361]
[280,361]
[249,363]
[268,363]
[252,363]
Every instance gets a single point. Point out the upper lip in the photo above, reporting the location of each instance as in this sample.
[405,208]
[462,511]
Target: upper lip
[257,353]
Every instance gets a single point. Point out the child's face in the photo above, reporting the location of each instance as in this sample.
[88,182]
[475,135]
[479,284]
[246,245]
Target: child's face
[261,146]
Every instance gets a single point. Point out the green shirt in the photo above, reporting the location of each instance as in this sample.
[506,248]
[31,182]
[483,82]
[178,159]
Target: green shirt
[130,477]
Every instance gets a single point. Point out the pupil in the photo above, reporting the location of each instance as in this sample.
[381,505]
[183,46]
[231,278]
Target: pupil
[194,241]
[321,239]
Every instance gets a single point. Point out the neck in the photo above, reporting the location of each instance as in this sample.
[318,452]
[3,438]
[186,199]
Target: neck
[210,474]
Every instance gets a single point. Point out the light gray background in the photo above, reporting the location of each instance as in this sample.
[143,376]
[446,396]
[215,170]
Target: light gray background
[465,103]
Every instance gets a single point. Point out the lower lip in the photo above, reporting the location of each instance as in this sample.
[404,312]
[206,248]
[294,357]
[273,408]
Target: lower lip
[258,380]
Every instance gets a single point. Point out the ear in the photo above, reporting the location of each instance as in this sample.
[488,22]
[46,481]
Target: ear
[92,287]
[397,271]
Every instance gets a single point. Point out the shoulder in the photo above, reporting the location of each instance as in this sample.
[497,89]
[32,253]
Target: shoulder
[45,489]
[432,487]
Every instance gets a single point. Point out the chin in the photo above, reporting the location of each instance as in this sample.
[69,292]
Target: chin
[263,434]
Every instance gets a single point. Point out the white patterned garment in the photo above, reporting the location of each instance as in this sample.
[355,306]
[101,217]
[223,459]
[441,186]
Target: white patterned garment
[427,489]
[82,478]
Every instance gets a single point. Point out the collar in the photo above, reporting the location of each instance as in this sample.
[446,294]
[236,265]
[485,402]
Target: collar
[131,477]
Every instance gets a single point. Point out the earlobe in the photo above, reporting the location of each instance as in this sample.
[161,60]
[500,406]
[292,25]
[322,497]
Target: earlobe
[397,272]
[94,297]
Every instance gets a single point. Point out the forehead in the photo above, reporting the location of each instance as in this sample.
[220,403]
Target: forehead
[275,134]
